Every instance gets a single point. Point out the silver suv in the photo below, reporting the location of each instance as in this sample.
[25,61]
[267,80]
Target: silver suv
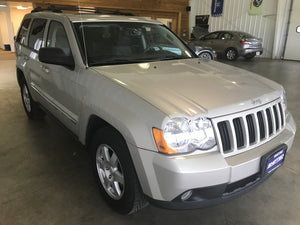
[161,125]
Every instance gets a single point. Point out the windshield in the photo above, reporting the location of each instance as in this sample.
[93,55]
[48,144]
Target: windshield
[110,43]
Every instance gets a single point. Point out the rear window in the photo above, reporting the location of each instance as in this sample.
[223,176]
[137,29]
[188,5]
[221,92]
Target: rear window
[243,35]
[36,34]
[23,31]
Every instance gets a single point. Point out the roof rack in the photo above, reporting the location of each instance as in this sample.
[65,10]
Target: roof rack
[51,8]
[95,10]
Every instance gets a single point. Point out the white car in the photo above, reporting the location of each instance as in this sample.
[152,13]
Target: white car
[161,125]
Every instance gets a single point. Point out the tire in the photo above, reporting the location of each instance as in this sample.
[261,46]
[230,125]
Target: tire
[115,172]
[231,54]
[31,108]
[205,56]
[250,55]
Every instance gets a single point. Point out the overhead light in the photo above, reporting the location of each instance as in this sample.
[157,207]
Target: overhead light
[298,29]
[21,7]
[2,5]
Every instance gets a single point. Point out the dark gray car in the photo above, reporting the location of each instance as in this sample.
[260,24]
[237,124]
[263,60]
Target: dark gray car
[232,44]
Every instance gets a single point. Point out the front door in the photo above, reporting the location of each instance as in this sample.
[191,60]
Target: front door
[59,84]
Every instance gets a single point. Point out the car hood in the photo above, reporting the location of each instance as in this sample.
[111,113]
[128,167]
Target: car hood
[193,87]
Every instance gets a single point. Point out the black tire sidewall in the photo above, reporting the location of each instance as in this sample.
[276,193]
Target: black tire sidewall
[111,138]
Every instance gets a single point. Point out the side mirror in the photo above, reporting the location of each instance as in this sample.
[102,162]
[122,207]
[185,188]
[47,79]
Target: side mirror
[56,56]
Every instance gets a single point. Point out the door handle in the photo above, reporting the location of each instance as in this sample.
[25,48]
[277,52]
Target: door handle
[45,69]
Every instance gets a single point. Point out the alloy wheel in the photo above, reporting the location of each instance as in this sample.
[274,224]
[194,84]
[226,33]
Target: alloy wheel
[110,171]
[26,98]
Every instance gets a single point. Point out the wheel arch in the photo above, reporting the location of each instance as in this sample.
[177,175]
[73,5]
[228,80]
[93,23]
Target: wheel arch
[231,48]
[20,76]
[95,123]
[206,52]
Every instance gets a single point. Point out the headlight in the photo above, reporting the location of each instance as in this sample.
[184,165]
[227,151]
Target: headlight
[182,135]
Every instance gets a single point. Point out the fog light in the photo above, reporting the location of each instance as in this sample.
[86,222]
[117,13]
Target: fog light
[185,196]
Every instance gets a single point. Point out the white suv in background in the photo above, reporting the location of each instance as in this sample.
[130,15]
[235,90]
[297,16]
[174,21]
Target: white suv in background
[161,125]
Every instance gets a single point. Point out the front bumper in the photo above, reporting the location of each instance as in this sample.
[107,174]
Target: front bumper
[212,177]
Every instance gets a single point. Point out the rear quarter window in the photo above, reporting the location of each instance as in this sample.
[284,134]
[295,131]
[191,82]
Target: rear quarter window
[23,32]
[245,35]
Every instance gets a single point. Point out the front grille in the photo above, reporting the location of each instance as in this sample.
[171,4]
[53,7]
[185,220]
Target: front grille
[249,129]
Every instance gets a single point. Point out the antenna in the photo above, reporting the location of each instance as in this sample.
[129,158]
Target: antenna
[83,36]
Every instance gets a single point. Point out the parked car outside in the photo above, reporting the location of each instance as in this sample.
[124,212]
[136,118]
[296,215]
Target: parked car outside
[232,44]
[160,124]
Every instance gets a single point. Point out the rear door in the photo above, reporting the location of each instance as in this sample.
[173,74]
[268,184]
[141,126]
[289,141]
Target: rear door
[60,88]
[226,41]
[31,64]
[21,46]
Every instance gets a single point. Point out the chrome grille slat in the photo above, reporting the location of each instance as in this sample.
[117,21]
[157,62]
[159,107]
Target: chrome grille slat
[256,127]
[273,120]
[246,130]
[234,139]
[276,117]
[266,123]
[281,115]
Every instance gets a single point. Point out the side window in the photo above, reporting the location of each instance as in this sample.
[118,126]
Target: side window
[23,31]
[226,36]
[212,36]
[36,34]
[57,37]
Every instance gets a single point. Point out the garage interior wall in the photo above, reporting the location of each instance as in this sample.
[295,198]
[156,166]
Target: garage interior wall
[6,29]
[11,17]
[171,12]
[292,50]
[4,37]
[235,17]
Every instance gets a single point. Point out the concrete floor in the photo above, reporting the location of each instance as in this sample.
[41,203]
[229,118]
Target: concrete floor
[46,178]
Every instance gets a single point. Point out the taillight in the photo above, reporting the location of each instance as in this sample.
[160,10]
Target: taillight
[245,42]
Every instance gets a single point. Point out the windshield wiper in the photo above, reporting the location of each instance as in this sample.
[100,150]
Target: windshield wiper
[113,62]
[117,61]
[172,58]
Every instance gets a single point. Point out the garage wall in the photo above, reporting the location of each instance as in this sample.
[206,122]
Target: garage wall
[17,15]
[4,37]
[292,50]
[174,10]
[235,17]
